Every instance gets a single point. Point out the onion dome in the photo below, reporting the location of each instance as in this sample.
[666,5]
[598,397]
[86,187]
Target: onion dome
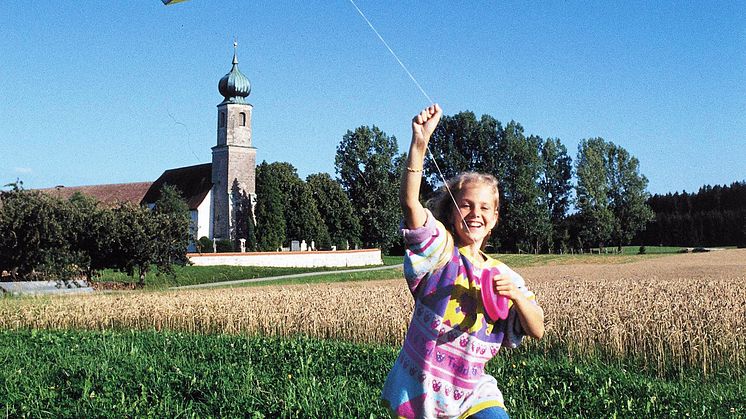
[234,86]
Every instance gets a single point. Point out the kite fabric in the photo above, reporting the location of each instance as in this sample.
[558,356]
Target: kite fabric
[167,2]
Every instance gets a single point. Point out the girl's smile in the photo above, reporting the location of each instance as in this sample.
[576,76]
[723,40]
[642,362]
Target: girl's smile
[477,208]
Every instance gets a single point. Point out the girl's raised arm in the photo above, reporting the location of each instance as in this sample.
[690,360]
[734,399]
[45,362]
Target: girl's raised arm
[423,126]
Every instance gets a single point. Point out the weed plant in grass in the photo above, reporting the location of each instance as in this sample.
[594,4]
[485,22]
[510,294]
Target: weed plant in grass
[159,374]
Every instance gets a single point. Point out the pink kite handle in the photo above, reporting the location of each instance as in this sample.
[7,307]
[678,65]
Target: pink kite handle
[495,305]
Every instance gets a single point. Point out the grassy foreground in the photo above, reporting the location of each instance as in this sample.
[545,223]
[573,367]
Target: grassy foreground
[165,374]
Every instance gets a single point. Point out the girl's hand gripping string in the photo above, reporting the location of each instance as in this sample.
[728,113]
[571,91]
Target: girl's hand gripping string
[423,126]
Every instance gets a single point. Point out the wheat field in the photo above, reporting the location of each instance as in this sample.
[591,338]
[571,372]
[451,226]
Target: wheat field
[669,313]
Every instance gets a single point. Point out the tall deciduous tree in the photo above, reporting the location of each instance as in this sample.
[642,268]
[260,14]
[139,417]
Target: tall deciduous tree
[611,193]
[294,203]
[369,168]
[525,224]
[304,222]
[34,237]
[336,210]
[462,143]
[270,209]
[596,218]
[556,184]
[627,195]
[173,220]
[90,232]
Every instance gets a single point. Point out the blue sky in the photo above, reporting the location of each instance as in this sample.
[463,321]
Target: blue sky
[97,92]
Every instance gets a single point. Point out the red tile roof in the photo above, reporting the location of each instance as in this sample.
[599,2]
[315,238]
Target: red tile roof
[194,182]
[109,195]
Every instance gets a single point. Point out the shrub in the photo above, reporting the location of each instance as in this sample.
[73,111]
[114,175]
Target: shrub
[204,245]
[642,250]
[224,246]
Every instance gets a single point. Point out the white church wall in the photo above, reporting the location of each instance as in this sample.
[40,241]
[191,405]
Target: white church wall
[204,217]
[365,257]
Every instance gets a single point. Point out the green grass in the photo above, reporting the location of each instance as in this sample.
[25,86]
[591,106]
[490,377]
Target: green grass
[192,275]
[151,374]
[393,273]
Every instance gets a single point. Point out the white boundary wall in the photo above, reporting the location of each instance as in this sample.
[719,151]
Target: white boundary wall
[313,259]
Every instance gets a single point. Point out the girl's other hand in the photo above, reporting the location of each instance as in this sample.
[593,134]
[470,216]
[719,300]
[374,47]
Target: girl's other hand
[424,123]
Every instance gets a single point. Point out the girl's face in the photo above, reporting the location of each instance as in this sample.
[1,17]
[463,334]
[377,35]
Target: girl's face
[476,204]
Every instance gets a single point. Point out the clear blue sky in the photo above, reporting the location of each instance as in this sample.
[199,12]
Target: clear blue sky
[97,92]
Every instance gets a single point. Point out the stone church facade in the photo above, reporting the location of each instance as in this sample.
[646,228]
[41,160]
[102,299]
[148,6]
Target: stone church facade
[211,190]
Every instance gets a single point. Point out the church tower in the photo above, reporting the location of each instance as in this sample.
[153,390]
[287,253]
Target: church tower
[233,158]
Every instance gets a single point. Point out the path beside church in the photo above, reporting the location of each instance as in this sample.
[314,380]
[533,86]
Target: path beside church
[274,278]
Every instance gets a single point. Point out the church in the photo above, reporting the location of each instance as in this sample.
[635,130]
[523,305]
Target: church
[211,189]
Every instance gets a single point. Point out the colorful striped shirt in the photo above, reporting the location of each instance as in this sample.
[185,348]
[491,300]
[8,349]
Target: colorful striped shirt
[440,369]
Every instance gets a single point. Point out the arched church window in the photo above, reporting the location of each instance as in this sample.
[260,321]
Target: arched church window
[222,119]
[242,119]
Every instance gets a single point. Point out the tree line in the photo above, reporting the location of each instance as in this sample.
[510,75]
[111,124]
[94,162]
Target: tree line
[45,237]
[712,216]
[539,184]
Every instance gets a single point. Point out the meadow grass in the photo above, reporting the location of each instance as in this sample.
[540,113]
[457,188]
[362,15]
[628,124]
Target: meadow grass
[194,275]
[167,374]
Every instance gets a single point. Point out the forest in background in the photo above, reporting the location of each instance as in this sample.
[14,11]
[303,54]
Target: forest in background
[712,216]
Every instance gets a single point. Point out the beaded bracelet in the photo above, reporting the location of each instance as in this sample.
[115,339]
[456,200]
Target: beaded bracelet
[409,169]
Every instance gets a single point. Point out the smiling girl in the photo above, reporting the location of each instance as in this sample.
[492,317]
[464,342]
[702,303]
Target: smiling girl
[440,368]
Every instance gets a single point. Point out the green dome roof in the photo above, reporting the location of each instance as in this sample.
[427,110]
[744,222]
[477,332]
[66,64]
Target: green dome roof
[234,86]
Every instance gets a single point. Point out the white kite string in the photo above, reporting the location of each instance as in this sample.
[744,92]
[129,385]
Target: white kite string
[432,157]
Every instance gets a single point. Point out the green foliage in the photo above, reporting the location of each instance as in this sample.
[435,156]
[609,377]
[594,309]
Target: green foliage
[642,250]
[48,238]
[525,219]
[192,275]
[369,168]
[204,245]
[270,209]
[37,233]
[555,182]
[628,195]
[596,219]
[611,194]
[335,209]
[713,216]
[534,177]
[164,374]
[304,222]
[172,220]
[286,209]
[91,231]
[225,246]
[134,232]
[462,143]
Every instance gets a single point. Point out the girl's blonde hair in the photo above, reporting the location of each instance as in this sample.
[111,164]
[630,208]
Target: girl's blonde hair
[442,205]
